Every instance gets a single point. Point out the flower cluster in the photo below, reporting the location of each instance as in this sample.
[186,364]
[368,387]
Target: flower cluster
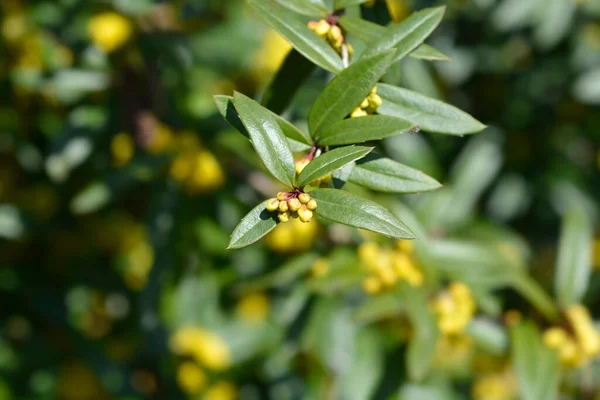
[387,266]
[332,33]
[578,342]
[369,105]
[454,308]
[201,349]
[295,204]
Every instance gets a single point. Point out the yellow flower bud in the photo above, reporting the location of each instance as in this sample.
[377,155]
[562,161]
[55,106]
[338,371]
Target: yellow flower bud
[312,205]
[373,90]
[294,204]
[283,206]
[350,49]
[304,198]
[374,101]
[300,164]
[283,217]
[109,31]
[313,25]
[365,103]
[371,285]
[272,204]
[387,276]
[581,322]
[326,179]
[335,34]
[282,196]
[253,308]
[554,337]
[322,28]
[569,354]
[191,378]
[358,112]
[406,246]
[320,268]
[304,214]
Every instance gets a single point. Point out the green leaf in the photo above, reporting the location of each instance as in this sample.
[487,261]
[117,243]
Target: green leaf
[573,266]
[311,8]
[363,129]
[360,380]
[422,347]
[283,276]
[536,367]
[407,35]
[430,114]
[256,224]
[385,175]
[267,138]
[331,161]
[296,139]
[298,34]
[369,31]
[429,53]
[341,4]
[348,209]
[290,76]
[347,90]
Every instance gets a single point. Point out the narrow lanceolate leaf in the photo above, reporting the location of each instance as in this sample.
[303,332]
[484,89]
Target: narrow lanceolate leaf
[341,4]
[407,35]
[349,209]
[298,34]
[290,76]
[573,266]
[256,224]
[267,138]
[386,175]
[311,8]
[347,90]
[363,129]
[331,161]
[429,53]
[297,140]
[431,115]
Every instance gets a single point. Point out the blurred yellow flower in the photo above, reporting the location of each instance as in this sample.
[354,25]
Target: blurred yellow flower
[454,308]
[253,308]
[319,268]
[399,9]
[109,31]
[585,332]
[501,386]
[294,236]
[222,390]
[271,55]
[122,149]
[206,347]
[207,174]
[191,377]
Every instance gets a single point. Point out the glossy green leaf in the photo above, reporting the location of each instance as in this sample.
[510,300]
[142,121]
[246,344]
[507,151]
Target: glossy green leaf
[296,139]
[311,8]
[347,90]
[369,31]
[360,380]
[386,175]
[289,77]
[348,209]
[430,114]
[331,161]
[363,129]
[298,34]
[573,266]
[341,4]
[407,35]
[537,367]
[429,53]
[256,224]
[267,138]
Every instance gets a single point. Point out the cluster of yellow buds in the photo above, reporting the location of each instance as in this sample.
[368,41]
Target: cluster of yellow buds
[496,386]
[332,34]
[369,105]
[454,308]
[387,266]
[580,343]
[322,181]
[294,204]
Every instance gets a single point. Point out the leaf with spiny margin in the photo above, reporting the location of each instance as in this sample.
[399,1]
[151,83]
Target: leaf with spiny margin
[331,161]
[363,129]
[385,175]
[349,209]
[407,35]
[256,224]
[430,114]
[296,139]
[347,90]
[298,34]
[267,138]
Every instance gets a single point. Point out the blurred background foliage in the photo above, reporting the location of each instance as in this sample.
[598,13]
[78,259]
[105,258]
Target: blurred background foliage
[120,184]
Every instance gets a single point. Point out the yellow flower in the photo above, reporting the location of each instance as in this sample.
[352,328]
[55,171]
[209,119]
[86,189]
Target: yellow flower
[274,49]
[109,31]
[253,308]
[585,332]
[222,390]
[161,139]
[293,236]
[495,387]
[206,347]
[191,378]
[207,174]
[454,308]
[122,149]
